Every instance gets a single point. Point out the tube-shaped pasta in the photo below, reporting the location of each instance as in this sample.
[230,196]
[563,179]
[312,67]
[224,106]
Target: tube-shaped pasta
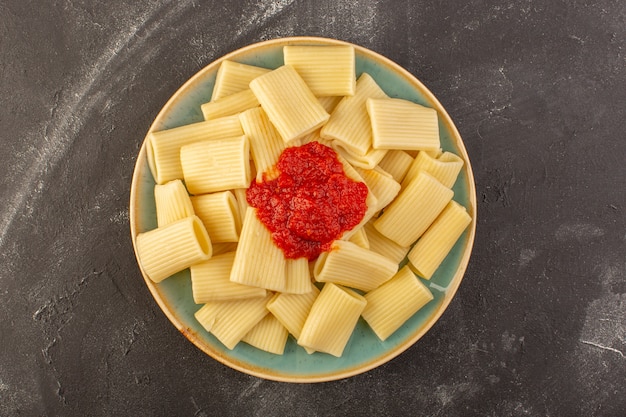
[444,168]
[383,245]
[353,266]
[381,184]
[329,102]
[229,105]
[210,281]
[393,303]
[368,161]
[415,208]
[216,165]
[163,147]
[172,202]
[233,77]
[397,163]
[242,202]
[289,103]
[332,319]
[229,321]
[327,70]
[297,276]
[293,309]
[220,214]
[268,335]
[438,240]
[258,261]
[402,124]
[359,238]
[349,122]
[266,144]
[167,250]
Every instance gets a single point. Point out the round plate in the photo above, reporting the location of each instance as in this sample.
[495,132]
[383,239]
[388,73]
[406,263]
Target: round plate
[364,351]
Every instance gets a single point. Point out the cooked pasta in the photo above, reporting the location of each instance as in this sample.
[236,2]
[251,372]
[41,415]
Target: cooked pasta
[216,165]
[219,213]
[210,281]
[416,207]
[268,335]
[229,105]
[393,303]
[289,103]
[266,144]
[233,77]
[383,245]
[327,70]
[172,202]
[293,309]
[445,167]
[397,163]
[438,240]
[332,319]
[167,250]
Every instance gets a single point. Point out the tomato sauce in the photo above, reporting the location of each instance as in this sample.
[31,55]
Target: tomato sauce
[307,201]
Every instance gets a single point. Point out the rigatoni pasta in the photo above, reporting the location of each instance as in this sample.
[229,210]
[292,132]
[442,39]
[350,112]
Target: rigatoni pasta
[172,202]
[233,77]
[229,105]
[268,335]
[220,215]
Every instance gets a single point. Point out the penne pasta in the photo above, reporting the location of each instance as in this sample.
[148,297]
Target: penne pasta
[353,266]
[416,207]
[289,103]
[266,144]
[332,319]
[438,240]
[230,321]
[167,250]
[172,202]
[445,168]
[163,147]
[258,261]
[268,335]
[349,122]
[229,105]
[233,77]
[327,70]
[219,213]
[397,163]
[216,165]
[393,303]
[210,281]
[402,124]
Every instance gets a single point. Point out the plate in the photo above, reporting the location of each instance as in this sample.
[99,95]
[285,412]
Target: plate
[364,351]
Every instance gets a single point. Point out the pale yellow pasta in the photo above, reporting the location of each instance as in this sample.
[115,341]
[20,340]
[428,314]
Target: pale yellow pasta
[444,168]
[349,122]
[163,147]
[216,165]
[229,105]
[210,281]
[242,202]
[381,184]
[383,245]
[258,261]
[221,248]
[293,309]
[329,102]
[229,321]
[233,77]
[402,124]
[359,238]
[268,335]
[367,161]
[415,208]
[327,70]
[167,250]
[172,202]
[438,240]
[266,144]
[220,214]
[332,319]
[353,266]
[397,163]
[297,276]
[393,303]
[289,103]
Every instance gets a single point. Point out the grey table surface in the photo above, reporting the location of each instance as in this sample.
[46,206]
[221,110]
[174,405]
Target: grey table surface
[537,90]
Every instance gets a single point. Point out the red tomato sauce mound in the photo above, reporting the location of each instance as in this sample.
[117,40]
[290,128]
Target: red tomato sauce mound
[308,201]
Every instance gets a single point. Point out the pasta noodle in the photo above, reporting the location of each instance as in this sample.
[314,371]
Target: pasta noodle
[229,105]
[219,213]
[172,202]
[167,250]
[397,163]
[293,309]
[268,335]
[289,103]
[445,167]
[393,303]
[233,77]
[266,144]
[438,240]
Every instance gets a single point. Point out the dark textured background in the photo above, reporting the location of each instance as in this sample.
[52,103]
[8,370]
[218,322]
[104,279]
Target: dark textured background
[536,88]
